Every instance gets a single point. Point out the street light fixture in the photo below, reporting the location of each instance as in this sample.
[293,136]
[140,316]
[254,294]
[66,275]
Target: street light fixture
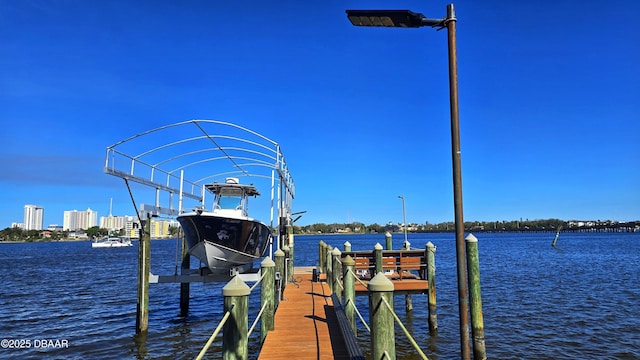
[404,216]
[391,18]
[410,19]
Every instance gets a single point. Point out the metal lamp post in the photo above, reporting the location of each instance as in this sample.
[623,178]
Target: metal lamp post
[409,19]
[404,217]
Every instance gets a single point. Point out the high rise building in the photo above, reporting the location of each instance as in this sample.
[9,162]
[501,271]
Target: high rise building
[113,222]
[79,220]
[33,217]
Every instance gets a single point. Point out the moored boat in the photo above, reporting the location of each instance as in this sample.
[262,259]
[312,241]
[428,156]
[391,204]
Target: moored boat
[226,237]
[111,241]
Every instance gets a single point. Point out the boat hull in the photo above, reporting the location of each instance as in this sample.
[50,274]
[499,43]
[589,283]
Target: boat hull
[223,243]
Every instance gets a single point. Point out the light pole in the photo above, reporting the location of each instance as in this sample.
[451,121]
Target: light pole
[409,19]
[404,216]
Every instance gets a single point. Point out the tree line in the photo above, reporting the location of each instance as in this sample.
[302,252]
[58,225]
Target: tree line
[95,232]
[361,228]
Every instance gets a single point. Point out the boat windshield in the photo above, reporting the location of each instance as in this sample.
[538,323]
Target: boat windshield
[230,202]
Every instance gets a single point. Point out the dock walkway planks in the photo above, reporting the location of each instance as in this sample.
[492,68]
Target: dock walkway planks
[306,326]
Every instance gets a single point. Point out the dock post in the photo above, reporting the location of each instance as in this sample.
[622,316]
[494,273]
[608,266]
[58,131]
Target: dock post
[387,238]
[321,246]
[475,300]
[408,301]
[348,266]
[279,260]
[144,267]
[291,255]
[431,278]
[267,296]
[184,287]
[286,277]
[377,249]
[235,342]
[347,246]
[336,272]
[383,339]
[329,260]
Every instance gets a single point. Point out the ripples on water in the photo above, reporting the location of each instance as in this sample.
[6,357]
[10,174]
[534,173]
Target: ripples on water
[579,300]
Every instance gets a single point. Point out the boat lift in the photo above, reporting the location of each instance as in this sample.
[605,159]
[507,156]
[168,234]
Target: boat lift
[207,151]
[174,163]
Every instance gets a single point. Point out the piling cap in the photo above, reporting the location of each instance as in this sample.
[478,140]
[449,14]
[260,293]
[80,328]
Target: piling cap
[336,251]
[471,238]
[346,243]
[236,287]
[267,262]
[286,248]
[377,246]
[348,261]
[278,253]
[380,283]
[387,234]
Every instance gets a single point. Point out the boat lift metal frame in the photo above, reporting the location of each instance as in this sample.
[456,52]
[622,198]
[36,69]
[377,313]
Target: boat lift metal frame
[165,165]
[256,152]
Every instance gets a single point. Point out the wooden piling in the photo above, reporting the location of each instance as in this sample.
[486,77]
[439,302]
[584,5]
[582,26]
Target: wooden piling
[329,261]
[408,301]
[475,300]
[279,260]
[286,275]
[321,258]
[431,277]
[184,287]
[347,246]
[348,267]
[336,272]
[388,237]
[267,297]
[235,342]
[383,337]
[378,256]
[144,267]
[291,255]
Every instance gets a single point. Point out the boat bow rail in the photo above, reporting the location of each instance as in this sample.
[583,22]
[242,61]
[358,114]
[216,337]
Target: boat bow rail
[182,159]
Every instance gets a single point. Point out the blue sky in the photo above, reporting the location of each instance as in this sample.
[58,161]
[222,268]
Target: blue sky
[549,94]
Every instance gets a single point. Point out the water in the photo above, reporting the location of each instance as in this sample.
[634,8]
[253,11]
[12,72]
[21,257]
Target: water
[578,300]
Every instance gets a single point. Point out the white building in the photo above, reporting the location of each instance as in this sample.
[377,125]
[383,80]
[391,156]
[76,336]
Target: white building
[79,220]
[33,217]
[113,222]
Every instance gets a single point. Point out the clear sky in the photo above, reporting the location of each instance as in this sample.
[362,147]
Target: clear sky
[549,94]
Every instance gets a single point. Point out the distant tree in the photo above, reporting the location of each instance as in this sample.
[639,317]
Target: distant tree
[96,231]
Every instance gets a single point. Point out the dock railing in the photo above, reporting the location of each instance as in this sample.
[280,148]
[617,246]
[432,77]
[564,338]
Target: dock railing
[236,333]
[344,272]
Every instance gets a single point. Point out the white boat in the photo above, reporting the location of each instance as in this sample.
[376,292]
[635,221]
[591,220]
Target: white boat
[111,241]
[226,237]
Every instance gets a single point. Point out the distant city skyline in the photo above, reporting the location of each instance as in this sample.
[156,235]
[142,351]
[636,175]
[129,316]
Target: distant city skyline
[106,222]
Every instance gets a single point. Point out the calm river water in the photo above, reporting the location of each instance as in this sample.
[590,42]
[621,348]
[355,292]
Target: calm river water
[579,300]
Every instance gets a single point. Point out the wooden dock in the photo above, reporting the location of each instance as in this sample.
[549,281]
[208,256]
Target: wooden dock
[306,326]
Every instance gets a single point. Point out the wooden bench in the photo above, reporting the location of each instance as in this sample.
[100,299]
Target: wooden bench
[397,263]
[363,266]
[407,264]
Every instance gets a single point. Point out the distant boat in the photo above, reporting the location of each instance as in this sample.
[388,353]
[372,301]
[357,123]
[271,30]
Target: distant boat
[226,237]
[111,241]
